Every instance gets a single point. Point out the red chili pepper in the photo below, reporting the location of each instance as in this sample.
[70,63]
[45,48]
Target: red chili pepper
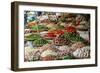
[59,32]
[50,35]
[71,29]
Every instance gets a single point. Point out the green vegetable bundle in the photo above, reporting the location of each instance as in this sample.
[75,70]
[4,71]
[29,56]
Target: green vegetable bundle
[39,27]
[72,37]
[37,40]
[40,42]
[68,57]
[33,37]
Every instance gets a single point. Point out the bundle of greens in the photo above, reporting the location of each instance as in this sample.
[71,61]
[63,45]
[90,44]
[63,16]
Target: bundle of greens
[40,42]
[39,27]
[37,40]
[32,37]
[72,37]
[68,57]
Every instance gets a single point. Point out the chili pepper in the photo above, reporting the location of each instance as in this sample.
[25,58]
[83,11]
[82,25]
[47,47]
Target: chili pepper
[50,35]
[59,32]
[70,29]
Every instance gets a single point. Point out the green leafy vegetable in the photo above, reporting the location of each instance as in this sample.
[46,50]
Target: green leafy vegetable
[39,27]
[72,37]
[33,37]
[40,42]
[67,57]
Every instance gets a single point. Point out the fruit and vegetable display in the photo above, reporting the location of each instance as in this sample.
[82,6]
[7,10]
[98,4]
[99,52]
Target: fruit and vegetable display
[56,36]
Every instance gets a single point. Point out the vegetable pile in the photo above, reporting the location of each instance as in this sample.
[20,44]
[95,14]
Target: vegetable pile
[56,36]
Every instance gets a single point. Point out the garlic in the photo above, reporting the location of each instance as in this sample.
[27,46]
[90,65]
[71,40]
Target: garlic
[82,53]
